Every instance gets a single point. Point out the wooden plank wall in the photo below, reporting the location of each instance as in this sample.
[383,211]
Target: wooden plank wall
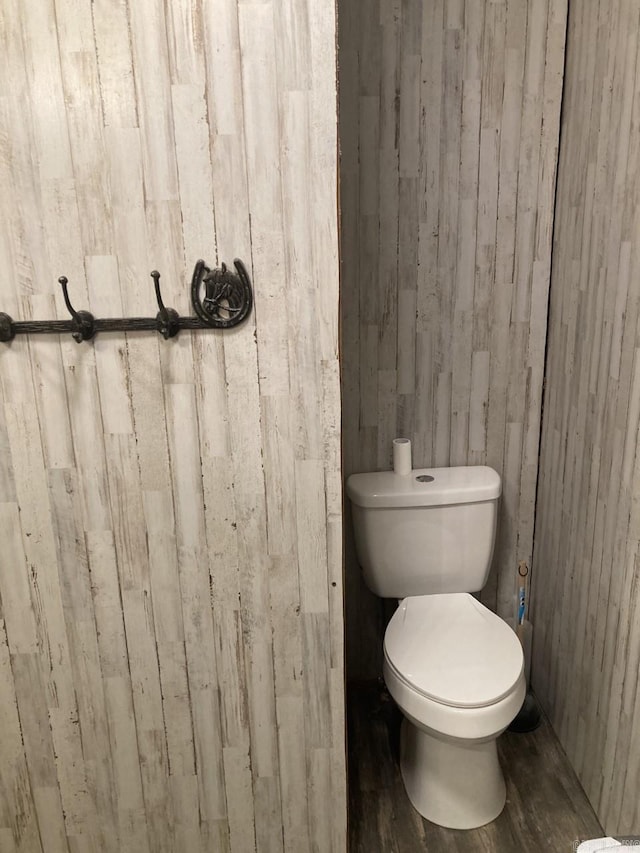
[587,543]
[449,132]
[170,512]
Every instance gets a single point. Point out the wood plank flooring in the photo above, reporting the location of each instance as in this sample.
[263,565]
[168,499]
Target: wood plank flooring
[546,808]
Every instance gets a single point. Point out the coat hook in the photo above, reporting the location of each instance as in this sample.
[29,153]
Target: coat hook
[220,299]
[7,331]
[166,318]
[82,321]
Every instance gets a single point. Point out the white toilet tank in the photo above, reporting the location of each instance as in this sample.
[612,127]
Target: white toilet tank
[427,532]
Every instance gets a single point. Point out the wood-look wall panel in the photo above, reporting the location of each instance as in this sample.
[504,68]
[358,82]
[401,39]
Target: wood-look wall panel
[171,618]
[19,826]
[587,645]
[449,138]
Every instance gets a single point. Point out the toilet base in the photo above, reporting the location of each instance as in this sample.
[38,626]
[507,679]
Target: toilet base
[449,782]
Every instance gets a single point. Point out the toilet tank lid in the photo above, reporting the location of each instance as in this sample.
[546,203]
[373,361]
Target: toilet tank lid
[425,487]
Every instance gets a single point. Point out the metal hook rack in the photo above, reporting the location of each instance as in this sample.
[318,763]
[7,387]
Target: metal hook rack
[220,299]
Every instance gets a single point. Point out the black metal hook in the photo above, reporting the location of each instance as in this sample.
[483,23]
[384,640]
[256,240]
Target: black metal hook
[220,299]
[7,331]
[83,322]
[167,319]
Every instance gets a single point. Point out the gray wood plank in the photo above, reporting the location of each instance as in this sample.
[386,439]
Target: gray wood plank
[170,513]
[587,538]
[446,247]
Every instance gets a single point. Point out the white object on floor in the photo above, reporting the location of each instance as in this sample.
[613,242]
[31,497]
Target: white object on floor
[599,845]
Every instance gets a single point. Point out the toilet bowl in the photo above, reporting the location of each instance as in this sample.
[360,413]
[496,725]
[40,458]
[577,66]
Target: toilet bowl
[456,671]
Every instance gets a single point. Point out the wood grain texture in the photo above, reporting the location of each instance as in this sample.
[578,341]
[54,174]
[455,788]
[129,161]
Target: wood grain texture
[449,131]
[587,541]
[171,625]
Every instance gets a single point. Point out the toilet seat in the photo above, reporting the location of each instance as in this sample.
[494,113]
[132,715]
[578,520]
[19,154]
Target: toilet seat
[453,650]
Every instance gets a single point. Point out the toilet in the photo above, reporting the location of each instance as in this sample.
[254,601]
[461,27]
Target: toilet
[454,668]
